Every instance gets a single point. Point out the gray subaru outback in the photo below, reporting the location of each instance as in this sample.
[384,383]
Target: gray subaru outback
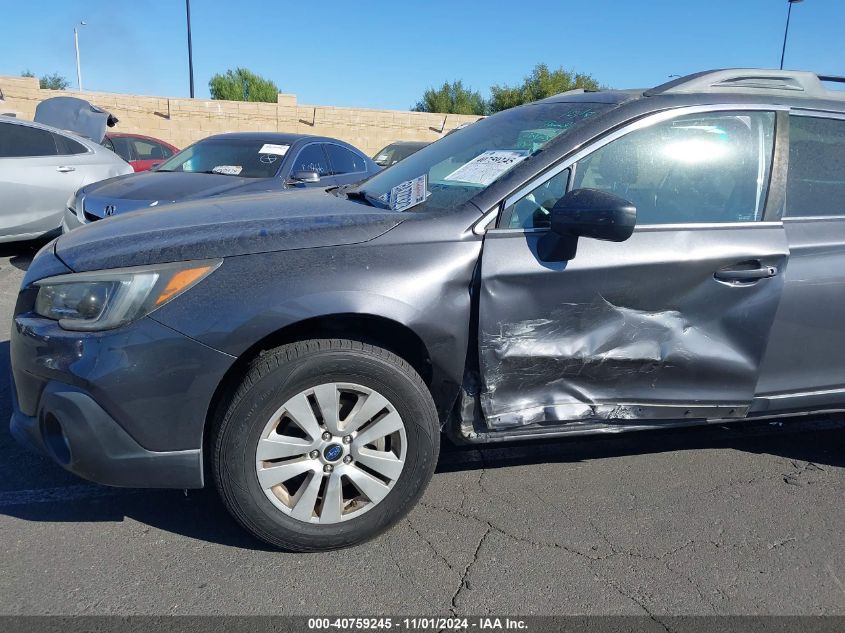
[594,262]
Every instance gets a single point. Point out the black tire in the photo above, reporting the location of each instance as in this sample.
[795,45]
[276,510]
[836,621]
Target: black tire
[278,375]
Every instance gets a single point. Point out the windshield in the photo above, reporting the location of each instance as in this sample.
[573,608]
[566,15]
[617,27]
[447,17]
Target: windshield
[231,157]
[460,165]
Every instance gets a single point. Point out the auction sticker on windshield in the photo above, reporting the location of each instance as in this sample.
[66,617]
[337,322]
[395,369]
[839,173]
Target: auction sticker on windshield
[227,170]
[270,148]
[408,194]
[487,166]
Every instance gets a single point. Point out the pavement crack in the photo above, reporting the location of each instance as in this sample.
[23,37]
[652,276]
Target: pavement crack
[637,601]
[730,484]
[674,551]
[795,476]
[479,484]
[516,537]
[689,579]
[603,536]
[453,608]
[430,544]
[615,551]
[451,511]
[835,578]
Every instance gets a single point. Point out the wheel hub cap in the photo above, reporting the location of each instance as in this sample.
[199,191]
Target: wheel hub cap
[331,453]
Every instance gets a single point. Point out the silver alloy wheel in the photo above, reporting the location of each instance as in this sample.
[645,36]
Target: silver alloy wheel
[331,452]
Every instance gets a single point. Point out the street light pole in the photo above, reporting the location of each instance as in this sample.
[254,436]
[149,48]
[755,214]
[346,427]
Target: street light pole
[786,30]
[76,46]
[190,48]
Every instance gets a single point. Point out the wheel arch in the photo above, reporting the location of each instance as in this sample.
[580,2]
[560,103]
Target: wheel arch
[377,330]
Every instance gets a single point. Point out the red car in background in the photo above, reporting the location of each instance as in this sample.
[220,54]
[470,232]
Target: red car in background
[142,152]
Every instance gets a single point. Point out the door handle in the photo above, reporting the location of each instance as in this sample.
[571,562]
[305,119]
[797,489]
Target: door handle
[738,274]
[64,169]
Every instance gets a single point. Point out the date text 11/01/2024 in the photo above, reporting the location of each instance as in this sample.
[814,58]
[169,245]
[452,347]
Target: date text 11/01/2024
[417,624]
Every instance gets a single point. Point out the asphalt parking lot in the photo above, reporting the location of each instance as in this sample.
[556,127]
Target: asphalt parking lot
[721,520]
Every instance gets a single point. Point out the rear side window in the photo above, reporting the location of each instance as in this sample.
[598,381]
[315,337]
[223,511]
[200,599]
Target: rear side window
[815,183]
[343,161]
[67,146]
[711,167]
[23,141]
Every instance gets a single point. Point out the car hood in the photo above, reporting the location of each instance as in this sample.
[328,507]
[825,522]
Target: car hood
[137,191]
[75,115]
[223,227]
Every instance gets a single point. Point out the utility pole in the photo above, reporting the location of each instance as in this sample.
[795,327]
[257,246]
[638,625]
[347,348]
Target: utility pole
[190,48]
[76,46]
[786,30]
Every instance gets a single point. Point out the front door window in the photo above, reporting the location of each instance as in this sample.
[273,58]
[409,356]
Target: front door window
[700,168]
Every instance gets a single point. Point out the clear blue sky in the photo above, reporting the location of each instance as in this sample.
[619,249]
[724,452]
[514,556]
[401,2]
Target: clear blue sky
[384,54]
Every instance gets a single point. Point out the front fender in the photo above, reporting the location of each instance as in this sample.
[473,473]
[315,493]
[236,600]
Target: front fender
[423,287]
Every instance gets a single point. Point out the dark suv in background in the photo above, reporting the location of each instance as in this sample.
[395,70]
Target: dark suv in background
[594,262]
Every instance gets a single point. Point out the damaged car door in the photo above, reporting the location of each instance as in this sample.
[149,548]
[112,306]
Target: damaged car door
[668,324]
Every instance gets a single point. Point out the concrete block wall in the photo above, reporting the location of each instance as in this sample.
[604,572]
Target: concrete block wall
[183,121]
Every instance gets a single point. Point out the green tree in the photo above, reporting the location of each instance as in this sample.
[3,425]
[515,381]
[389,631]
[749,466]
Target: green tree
[541,83]
[54,81]
[451,98]
[242,85]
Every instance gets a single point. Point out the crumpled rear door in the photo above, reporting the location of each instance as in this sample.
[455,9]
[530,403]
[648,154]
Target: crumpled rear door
[641,329]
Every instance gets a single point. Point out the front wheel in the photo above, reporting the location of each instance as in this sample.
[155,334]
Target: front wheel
[326,444]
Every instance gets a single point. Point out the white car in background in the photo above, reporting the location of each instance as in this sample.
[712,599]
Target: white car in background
[5,110]
[42,166]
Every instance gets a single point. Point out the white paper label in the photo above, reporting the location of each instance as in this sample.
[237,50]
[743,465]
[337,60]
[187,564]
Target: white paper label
[227,170]
[269,148]
[487,166]
[408,194]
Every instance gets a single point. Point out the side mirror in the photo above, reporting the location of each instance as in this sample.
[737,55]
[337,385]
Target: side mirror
[593,213]
[298,177]
[155,166]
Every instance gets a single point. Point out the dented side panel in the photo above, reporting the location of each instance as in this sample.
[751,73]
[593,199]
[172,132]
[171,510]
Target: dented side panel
[632,330]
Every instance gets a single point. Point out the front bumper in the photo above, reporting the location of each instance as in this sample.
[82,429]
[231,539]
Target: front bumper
[70,221]
[79,435]
[126,407]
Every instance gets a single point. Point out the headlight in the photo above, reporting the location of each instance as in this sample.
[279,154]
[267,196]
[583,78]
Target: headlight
[75,205]
[103,300]
[74,202]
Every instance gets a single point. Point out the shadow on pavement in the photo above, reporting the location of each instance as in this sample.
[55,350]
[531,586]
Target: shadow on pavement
[20,254]
[819,439]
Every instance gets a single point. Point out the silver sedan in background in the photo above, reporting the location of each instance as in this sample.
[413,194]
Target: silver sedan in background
[40,168]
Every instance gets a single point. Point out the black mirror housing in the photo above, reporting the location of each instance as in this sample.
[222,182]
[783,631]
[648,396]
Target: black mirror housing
[594,213]
[305,176]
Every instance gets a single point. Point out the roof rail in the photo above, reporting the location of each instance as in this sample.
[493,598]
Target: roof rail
[793,83]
